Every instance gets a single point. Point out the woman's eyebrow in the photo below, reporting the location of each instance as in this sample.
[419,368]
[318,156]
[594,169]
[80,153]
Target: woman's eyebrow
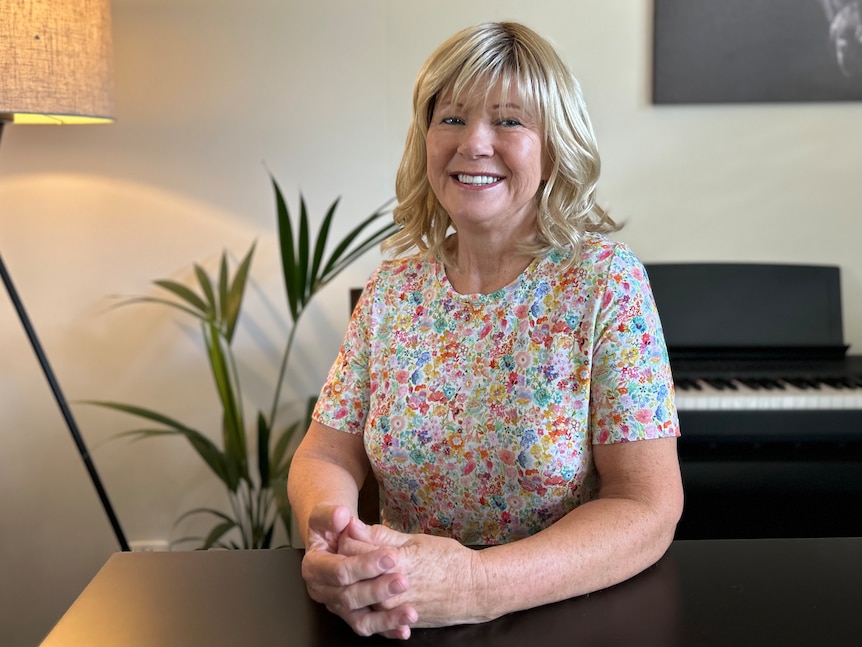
[511,105]
[497,106]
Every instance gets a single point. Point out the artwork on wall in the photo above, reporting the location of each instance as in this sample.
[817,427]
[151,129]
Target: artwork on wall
[727,51]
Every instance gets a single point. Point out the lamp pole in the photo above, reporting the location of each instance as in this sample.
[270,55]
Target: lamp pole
[55,68]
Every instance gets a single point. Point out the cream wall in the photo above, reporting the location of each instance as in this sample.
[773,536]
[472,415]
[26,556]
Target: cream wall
[210,94]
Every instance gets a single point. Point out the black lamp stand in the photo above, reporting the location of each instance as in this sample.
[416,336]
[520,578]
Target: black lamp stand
[60,398]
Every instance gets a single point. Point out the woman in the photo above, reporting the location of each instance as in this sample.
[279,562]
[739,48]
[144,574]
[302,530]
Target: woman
[508,384]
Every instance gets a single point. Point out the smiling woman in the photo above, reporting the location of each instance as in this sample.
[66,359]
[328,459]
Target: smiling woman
[485,165]
[507,384]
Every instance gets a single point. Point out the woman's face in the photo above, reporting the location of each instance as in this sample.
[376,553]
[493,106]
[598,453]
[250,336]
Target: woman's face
[485,161]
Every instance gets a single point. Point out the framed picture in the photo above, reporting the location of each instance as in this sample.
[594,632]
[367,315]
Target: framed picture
[727,51]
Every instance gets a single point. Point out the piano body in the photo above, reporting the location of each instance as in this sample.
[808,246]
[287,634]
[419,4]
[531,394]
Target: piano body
[770,403]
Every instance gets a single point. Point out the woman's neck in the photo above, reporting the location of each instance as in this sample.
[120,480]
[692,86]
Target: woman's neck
[485,268]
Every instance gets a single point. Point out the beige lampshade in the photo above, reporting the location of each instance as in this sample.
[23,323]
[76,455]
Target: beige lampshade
[55,61]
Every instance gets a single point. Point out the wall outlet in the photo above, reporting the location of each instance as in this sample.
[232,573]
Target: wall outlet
[149,545]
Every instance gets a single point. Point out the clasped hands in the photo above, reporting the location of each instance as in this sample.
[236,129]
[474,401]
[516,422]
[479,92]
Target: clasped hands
[383,581]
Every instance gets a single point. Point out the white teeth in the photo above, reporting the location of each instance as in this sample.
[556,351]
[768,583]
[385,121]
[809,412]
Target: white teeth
[477,179]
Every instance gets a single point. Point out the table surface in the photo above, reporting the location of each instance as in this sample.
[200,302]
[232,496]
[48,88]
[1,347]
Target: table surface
[705,593]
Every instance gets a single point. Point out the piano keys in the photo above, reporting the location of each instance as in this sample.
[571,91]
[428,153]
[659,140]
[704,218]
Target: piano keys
[756,394]
[812,389]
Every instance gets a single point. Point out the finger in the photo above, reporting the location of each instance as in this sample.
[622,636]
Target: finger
[329,569]
[383,591]
[349,546]
[394,623]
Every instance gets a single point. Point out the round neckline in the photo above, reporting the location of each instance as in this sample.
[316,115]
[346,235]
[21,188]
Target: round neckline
[479,297]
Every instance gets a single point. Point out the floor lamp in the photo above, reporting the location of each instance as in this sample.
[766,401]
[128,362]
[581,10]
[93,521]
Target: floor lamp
[55,68]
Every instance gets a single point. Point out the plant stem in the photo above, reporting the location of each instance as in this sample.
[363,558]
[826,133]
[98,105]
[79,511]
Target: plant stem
[282,370]
[237,511]
[234,377]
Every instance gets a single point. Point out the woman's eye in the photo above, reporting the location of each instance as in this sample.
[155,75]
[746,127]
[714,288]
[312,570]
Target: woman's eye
[510,123]
[451,121]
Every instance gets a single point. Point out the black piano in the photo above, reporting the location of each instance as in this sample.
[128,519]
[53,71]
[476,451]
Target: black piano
[770,401]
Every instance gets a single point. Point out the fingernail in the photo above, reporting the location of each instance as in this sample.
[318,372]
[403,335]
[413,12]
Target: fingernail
[386,562]
[396,587]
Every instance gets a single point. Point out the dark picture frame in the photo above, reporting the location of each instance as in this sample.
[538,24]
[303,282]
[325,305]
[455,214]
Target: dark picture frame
[732,51]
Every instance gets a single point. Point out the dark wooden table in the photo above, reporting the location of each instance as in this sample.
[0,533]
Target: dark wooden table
[772,592]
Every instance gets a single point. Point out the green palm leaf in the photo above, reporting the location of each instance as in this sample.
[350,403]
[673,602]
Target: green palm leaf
[372,241]
[232,297]
[320,247]
[212,511]
[204,447]
[302,253]
[233,432]
[197,314]
[184,293]
[207,289]
[293,280]
[263,450]
[348,240]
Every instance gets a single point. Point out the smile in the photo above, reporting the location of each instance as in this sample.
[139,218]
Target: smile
[477,180]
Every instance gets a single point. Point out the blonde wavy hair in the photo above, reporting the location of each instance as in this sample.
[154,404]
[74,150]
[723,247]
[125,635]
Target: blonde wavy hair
[513,55]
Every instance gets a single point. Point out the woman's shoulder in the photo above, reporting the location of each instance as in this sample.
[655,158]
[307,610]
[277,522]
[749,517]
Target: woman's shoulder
[403,273]
[415,264]
[612,264]
[598,248]
[598,255]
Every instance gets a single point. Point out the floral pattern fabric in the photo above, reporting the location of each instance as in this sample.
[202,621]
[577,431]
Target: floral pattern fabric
[479,412]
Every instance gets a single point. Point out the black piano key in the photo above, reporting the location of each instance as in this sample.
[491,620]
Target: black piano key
[718,383]
[834,382]
[685,384]
[750,382]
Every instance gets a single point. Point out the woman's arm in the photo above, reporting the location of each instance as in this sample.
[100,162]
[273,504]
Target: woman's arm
[601,543]
[622,532]
[323,486]
[328,468]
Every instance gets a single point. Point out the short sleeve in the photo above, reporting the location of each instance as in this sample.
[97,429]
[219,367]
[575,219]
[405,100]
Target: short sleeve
[344,398]
[631,392]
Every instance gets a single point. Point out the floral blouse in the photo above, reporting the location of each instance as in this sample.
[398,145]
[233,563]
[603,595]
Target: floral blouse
[479,412]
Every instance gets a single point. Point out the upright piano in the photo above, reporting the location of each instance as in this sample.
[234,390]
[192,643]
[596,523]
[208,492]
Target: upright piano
[769,400]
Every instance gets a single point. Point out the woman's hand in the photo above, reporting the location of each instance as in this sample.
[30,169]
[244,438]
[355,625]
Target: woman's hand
[360,588]
[443,577]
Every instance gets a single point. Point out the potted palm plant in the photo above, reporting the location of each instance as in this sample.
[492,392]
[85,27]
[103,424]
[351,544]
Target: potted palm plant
[254,480]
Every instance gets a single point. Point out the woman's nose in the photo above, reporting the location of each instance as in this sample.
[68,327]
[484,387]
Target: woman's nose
[476,141]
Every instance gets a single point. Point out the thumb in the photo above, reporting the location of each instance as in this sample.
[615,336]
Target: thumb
[377,535]
[326,523]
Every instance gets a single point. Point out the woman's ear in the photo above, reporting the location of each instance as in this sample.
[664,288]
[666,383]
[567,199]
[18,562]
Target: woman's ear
[547,164]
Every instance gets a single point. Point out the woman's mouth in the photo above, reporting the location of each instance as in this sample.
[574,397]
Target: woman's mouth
[477,180]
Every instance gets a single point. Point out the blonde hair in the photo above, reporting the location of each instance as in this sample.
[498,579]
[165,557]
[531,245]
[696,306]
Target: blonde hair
[513,55]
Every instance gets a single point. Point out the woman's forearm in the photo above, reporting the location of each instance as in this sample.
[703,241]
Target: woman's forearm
[597,545]
[314,481]
[328,467]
